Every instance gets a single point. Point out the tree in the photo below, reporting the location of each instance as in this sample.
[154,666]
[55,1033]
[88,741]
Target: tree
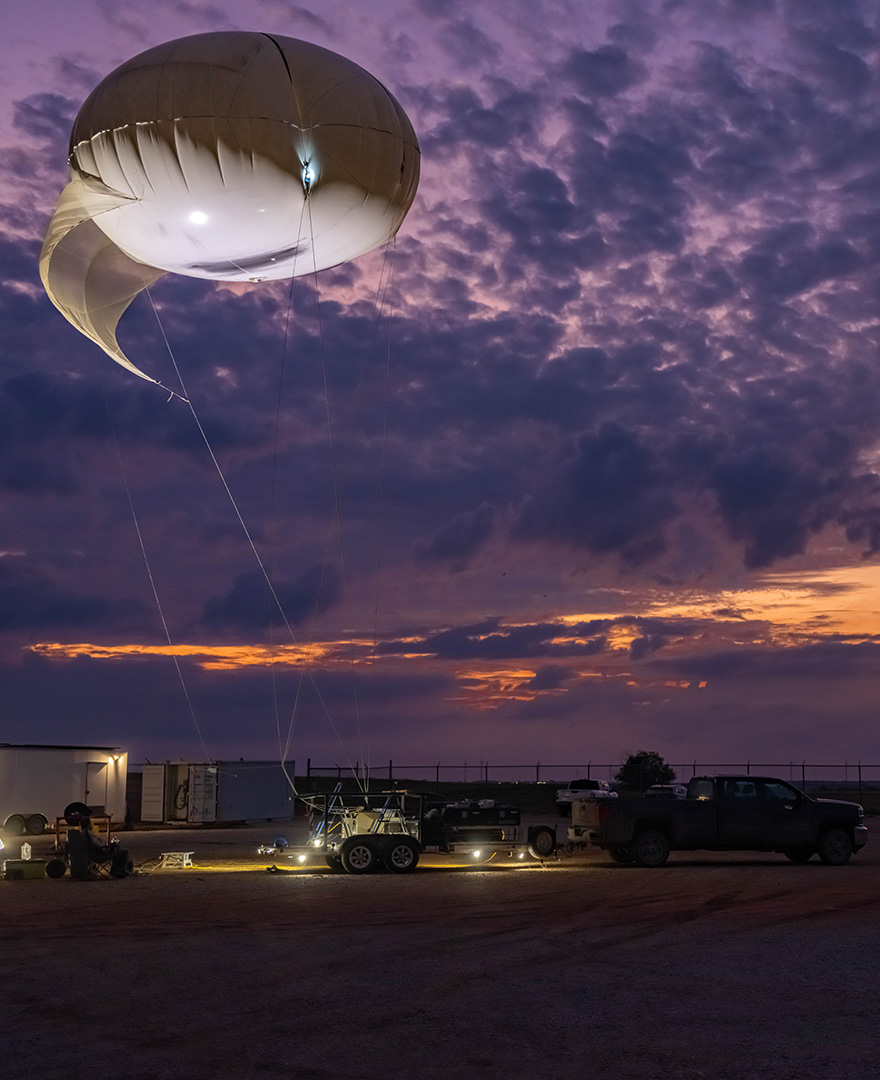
[642,769]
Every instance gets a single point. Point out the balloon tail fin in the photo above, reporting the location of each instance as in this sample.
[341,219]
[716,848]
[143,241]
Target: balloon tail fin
[86,276]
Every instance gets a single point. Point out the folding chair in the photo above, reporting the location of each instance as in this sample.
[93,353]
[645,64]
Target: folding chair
[82,858]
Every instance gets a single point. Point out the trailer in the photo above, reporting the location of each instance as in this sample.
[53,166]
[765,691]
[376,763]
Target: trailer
[363,832]
[202,793]
[37,782]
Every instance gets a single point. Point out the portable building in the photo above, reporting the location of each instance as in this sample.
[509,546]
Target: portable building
[200,792]
[38,782]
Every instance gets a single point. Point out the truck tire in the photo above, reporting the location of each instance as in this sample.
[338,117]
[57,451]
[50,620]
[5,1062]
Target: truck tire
[541,841]
[835,847]
[36,824]
[400,854]
[15,825]
[333,861]
[622,855]
[650,848]
[359,855]
[800,854]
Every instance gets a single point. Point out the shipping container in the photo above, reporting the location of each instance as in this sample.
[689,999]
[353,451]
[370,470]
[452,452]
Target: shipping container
[220,791]
[38,782]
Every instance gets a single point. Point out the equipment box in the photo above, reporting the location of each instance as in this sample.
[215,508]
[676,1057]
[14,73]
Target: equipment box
[466,814]
[19,869]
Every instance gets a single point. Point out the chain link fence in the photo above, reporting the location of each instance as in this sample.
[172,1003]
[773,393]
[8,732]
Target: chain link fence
[807,775]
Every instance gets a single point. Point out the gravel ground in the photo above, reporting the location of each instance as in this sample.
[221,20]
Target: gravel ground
[713,968]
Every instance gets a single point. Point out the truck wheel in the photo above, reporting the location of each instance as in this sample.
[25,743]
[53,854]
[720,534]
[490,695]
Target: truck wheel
[400,854]
[15,825]
[541,841]
[799,855]
[835,847]
[651,848]
[359,855]
[621,855]
[333,861]
[36,824]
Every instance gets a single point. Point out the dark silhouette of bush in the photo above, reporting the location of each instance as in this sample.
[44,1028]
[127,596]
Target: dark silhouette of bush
[640,770]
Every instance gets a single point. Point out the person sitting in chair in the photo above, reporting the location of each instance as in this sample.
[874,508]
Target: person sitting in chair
[84,848]
[100,852]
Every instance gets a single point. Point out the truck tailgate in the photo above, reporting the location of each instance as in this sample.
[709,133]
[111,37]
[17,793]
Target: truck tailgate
[584,813]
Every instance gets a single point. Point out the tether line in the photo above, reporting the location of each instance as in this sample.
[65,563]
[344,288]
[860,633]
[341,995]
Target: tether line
[305,662]
[137,529]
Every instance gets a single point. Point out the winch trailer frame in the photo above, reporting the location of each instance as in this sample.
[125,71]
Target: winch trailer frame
[362,832]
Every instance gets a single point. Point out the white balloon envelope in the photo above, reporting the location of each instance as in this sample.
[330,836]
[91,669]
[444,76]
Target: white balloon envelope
[233,156]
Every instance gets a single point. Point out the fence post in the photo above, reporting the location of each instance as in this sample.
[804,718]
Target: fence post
[860,779]
[338,772]
[308,768]
[749,767]
[487,772]
[694,773]
[589,766]
[390,771]
[438,772]
[538,772]
[804,775]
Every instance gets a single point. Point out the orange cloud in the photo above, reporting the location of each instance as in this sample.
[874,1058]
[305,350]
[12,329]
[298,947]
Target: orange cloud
[210,657]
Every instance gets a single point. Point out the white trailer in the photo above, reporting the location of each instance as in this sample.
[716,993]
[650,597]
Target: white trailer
[38,782]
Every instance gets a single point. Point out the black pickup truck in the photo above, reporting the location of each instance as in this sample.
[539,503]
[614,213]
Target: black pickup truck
[721,813]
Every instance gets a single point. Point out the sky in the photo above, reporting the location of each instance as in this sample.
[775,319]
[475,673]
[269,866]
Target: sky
[586,462]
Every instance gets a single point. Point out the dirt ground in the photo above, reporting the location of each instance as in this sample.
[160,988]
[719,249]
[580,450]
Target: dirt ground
[714,967]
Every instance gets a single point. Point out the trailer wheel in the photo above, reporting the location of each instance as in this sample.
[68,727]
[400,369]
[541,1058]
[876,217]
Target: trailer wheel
[799,854]
[835,847]
[542,841]
[400,854]
[359,855]
[651,848]
[621,855]
[15,825]
[36,824]
[56,868]
[333,861]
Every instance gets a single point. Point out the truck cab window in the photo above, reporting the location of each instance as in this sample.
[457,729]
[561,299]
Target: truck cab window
[701,789]
[740,789]
[774,789]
